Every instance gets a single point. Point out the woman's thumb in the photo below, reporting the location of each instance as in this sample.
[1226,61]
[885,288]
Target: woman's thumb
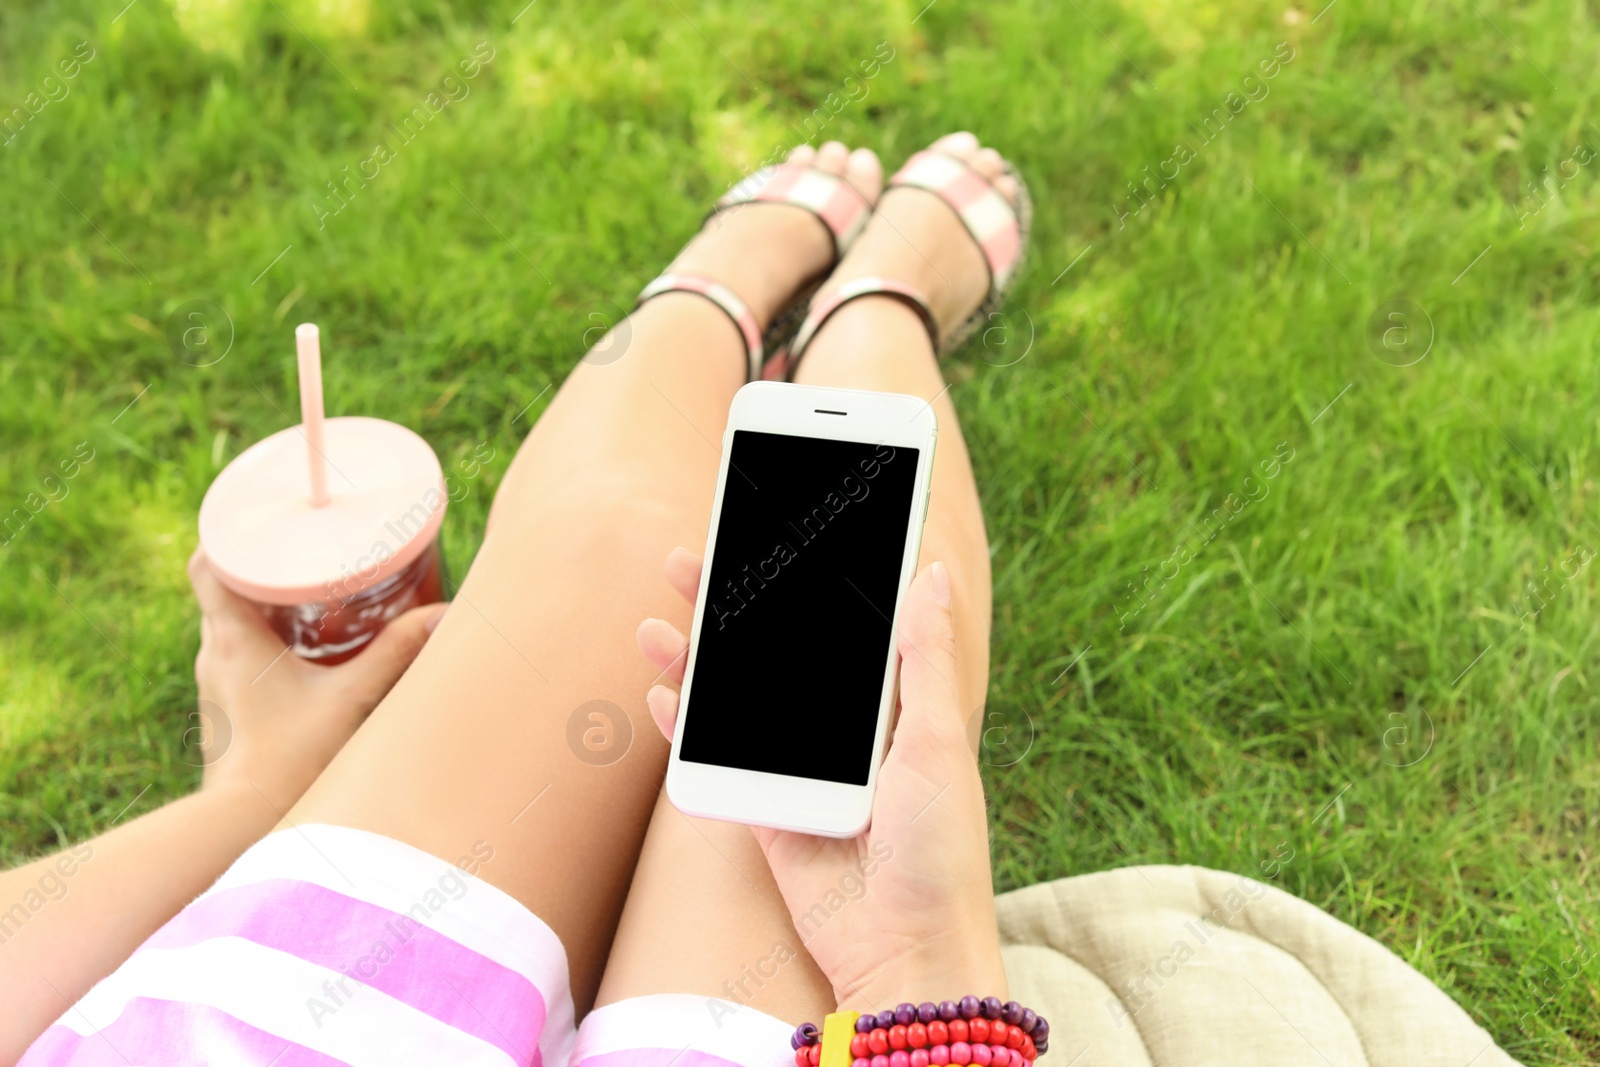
[927,642]
[382,662]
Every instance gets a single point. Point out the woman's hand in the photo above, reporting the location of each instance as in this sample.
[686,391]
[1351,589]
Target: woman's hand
[270,720]
[925,928]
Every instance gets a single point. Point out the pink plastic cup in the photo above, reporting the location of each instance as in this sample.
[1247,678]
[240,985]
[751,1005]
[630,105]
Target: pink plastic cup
[330,528]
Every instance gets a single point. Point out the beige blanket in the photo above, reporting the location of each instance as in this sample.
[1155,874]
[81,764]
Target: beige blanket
[1190,967]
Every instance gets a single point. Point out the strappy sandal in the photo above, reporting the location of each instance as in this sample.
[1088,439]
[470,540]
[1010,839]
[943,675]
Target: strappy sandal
[837,204]
[999,228]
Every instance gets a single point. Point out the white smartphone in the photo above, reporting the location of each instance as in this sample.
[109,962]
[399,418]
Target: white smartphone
[789,689]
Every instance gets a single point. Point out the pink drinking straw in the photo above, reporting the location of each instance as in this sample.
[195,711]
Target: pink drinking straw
[309,349]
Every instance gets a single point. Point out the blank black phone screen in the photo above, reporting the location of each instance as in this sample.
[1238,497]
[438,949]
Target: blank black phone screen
[789,670]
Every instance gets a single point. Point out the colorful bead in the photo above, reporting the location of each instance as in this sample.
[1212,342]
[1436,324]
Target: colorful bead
[958,1031]
[865,1023]
[801,1059]
[919,1057]
[858,1047]
[982,1055]
[861,1061]
[1028,1049]
[939,1055]
[960,1053]
[880,1061]
[1041,1047]
[878,1041]
[948,1010]
[998,1031]
[1012,1012]
[905,1014]
[1029,1019]
[917,1035]
[990,1007]
[897,1037]
[938,1032]
[899,1058]
[978,1029]
[814,1054]
[927,1011]
[1041,1029]
[1015,1037]
[969,1006]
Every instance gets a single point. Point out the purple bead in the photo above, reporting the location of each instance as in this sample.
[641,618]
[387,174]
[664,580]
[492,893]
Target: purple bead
[989,1007]
[865,1023]
[905,1015]
[1041,1047]
[1029,1019]
[1012,1013]
[795,1042]
[969,1007]
[886,1019]
[927,1011]
[948,1011]
[1041,1030]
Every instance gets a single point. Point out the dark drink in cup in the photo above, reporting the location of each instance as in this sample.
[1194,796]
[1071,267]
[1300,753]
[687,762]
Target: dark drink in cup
[333,631]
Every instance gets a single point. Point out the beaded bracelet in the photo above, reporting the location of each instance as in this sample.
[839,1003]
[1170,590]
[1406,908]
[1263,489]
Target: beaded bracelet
[969,1031]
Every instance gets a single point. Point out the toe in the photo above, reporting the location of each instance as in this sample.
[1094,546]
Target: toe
[831,157]
[803,154]
[865,173]
[961,145]
[1006,186]
[989,163]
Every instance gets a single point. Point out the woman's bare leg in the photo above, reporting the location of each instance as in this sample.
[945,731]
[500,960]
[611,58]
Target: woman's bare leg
[703,915]
[522,726]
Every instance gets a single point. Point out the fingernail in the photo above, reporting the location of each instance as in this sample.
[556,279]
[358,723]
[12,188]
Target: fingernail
[941,584]
[431,623]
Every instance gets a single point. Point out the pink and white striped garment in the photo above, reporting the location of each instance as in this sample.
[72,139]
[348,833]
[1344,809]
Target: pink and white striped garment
[324,945]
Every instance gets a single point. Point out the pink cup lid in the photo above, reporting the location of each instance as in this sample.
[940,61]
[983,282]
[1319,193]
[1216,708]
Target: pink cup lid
[267,542]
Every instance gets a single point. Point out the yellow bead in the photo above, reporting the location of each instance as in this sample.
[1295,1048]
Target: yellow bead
[837,1030]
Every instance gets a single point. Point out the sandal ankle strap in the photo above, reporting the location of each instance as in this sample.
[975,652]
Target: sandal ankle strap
[855,290]
[725,299]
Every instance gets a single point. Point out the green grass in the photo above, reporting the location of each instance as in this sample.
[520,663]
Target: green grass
[1267,696]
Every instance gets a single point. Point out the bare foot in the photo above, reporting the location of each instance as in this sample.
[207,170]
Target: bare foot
[766,252]
[917,238]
